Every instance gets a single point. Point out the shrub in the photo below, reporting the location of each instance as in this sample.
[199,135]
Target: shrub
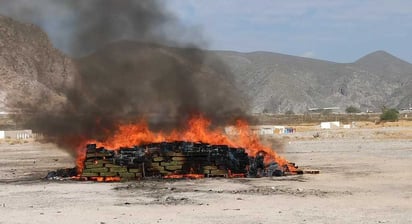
[390,115]
[352,109]
[289,112]
[326,112]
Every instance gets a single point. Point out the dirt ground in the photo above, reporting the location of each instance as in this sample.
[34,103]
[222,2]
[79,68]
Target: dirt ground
[366,177]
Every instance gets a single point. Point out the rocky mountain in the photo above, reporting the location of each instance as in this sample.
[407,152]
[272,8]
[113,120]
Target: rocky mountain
[123,79]
[32,72]
[278,83]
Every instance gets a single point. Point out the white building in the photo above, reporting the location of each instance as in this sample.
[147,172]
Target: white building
[262,130]
[17,134]
[330,125]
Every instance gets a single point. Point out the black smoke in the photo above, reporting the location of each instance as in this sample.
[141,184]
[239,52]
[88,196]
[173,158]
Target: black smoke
[80,27]
[130,64]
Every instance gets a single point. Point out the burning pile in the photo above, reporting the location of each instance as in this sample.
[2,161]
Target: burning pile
[174,160]
[135,152]
[124,70]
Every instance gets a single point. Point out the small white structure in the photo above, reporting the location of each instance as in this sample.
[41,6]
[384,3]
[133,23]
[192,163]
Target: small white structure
[329,125]
[262,130]
[267,129]
[17,134]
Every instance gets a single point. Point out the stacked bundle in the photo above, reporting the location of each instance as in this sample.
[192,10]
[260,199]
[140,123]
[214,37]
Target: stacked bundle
[167,159]
[99,165]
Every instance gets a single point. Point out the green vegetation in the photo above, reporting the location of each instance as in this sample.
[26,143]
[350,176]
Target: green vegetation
[352,110]
[326,112]
[289,112]
[390,115]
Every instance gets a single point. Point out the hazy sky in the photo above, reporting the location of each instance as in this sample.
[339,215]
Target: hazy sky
[336,30]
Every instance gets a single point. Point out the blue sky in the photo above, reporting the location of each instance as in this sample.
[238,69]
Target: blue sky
[335,30]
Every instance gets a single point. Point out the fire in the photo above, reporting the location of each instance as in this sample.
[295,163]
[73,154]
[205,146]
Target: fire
[235,175]
[81,157]
[198,130]
[112,179]
[184,176]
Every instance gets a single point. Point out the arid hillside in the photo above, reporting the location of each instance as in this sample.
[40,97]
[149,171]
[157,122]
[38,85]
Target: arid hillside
[33,73]
[118,83]
[278,83]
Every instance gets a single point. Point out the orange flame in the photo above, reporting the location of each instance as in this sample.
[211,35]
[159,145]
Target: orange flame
[112,179]
[235,175]
[198,130]
[184,176]
[81,157]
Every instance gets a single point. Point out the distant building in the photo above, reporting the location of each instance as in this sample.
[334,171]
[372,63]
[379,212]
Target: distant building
[263,130]
[330,125]
[17,134]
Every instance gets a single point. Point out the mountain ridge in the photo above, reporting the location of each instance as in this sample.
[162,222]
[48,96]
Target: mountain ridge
[279,82]
[271,82]
[33,73]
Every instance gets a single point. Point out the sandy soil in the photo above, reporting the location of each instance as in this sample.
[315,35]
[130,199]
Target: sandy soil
[365,178]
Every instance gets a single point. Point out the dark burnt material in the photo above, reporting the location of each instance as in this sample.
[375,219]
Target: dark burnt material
[174,160]
[166,159]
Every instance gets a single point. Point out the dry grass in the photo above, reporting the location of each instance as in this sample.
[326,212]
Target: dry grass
[367,124]
[305,128]
[403,134]
[15,141]
[401,123]
[362,130]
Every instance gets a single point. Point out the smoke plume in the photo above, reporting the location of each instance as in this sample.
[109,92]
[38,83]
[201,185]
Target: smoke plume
[126,68]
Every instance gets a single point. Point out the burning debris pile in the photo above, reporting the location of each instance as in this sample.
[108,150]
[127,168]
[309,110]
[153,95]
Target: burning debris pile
[125,72]
[174,160]
[135,152]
